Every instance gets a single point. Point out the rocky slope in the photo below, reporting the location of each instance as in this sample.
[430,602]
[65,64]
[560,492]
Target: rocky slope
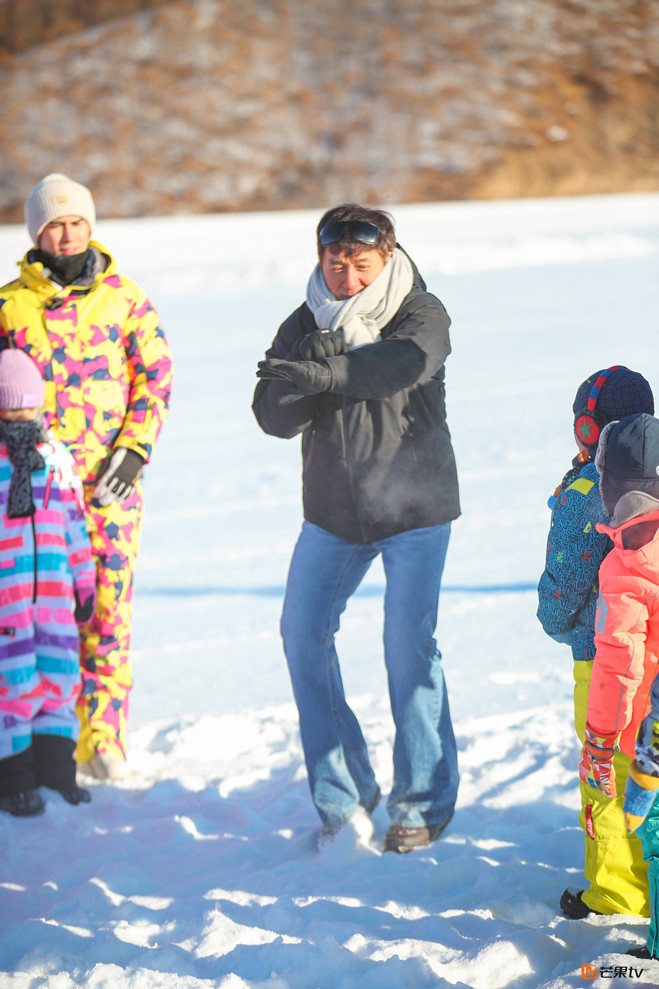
[210,105]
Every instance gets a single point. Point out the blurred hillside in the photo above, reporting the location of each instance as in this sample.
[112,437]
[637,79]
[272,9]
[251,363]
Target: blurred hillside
[27,23]
[188,106]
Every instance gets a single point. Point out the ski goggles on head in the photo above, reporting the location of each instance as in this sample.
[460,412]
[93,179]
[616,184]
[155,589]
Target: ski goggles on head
[360,230]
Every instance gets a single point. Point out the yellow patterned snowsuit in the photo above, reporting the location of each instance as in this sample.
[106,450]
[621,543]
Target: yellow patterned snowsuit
[108,374]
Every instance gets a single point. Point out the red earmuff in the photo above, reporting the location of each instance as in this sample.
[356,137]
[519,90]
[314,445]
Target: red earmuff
[587,423]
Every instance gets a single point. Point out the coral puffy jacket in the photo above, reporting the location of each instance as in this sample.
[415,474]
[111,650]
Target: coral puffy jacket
[626,632]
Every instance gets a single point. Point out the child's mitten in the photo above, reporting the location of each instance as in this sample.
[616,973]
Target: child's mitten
[596,768]
[85,604]
[640,794]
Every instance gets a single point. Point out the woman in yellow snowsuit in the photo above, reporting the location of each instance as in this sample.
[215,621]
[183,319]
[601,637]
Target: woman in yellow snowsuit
[108,370]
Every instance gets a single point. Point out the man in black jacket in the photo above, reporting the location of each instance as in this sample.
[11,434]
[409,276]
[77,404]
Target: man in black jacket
[358,370]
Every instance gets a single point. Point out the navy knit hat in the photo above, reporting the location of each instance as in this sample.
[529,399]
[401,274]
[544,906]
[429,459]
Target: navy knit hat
[607,395]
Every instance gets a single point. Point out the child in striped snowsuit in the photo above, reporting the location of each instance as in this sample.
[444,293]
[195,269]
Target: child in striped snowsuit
[47,586]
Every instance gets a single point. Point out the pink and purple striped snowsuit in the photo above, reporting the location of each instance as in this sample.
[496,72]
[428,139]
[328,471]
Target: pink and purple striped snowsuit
[44,558]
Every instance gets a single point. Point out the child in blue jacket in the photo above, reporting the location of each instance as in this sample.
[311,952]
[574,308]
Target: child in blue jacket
[568,590]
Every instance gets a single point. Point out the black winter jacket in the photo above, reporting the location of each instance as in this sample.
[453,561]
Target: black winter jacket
[377,454]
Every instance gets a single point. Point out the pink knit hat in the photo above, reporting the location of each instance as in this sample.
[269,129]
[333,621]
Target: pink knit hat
[21,384]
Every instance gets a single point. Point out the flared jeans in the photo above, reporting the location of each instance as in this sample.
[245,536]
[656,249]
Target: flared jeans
[325,571]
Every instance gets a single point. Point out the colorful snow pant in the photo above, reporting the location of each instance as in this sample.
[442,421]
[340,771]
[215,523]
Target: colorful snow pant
[39,673]
[648,832]
[107,674]
[39,687]
[614,865]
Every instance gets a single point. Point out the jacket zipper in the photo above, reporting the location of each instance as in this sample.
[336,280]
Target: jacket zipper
[46,499]
[34,543]
[349,471]
[49,481]
[408,440]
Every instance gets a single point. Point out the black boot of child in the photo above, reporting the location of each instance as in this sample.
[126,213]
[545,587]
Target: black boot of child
[54,760]
[642,952]
[18,785]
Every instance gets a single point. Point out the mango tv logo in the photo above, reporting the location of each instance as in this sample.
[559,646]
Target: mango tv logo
[590,972]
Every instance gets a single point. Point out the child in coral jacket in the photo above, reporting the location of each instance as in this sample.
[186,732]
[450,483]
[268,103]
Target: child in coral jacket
[568,590]
[47,585]
[627,621]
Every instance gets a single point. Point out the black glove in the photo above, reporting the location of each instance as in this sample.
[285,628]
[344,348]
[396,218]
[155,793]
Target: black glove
[85,606]
[317,345]
[308,377]
[118,476]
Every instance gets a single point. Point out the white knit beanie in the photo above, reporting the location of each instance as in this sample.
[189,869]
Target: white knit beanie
[21,384]
[56,196]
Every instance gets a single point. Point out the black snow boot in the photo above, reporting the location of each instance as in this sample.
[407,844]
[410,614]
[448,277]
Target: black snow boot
[75,794]
[642,952]
[25,803]
[18,773]
[18,785]
[573,906]
[54,758]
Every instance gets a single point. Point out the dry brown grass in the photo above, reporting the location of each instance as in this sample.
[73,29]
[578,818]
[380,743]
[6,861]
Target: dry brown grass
[211,105]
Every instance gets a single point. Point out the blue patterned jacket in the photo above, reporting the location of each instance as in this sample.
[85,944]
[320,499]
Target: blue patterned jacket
[568,587]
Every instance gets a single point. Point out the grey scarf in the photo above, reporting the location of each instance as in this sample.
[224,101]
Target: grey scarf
[361,318]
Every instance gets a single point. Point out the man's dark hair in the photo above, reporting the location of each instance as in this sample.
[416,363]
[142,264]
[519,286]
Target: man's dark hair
[347,244]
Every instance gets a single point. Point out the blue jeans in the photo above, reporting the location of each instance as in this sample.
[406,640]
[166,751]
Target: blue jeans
[325,571]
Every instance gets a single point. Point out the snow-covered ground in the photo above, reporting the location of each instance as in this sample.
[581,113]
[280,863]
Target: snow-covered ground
[202,870]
